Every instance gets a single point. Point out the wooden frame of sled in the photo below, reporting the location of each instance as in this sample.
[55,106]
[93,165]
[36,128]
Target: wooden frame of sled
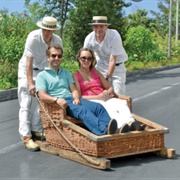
[66,137]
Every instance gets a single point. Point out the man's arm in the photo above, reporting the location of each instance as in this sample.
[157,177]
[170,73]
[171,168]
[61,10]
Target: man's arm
[106,85]
[75,94]
[29,73]
[45,97]
[50,99]
[112,64]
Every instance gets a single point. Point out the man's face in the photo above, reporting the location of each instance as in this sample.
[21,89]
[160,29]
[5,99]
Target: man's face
[47,34]
[55,58]
[100,30]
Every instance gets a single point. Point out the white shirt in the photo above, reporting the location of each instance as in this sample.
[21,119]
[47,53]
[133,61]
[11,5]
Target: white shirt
[112,44]
[36,47]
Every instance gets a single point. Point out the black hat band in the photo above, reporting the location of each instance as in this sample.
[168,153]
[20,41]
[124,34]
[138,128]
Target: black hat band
[99,21]
[47,26]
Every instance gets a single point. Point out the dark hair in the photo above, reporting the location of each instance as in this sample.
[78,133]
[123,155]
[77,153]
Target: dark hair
[93,63]
[55,46]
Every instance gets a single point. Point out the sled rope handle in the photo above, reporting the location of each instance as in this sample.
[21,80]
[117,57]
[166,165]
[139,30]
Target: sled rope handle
[90,160]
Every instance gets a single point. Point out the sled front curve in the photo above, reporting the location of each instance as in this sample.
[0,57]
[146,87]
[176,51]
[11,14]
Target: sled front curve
[96,151]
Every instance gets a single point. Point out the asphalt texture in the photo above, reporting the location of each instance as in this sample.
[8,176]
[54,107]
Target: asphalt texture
[156,96]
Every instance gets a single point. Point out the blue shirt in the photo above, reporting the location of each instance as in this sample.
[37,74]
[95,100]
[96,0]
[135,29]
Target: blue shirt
[55,84]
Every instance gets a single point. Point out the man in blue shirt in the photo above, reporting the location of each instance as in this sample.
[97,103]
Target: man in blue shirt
[56,85]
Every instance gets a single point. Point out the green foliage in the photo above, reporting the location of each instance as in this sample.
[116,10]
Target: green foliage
[140,19]
[36,10]
[146,45]
[8,75]
[14,29]
[78,26]
[72,66]
[162,17]
[56,8]
[141,46]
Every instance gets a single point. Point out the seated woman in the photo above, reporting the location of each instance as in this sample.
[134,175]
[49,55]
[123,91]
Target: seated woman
[56,85]
[92,85]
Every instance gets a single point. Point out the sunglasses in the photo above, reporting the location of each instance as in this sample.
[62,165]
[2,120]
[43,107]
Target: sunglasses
[56,55]
[83,58]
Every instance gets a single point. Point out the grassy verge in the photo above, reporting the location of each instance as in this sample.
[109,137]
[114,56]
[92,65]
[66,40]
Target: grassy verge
[137,65]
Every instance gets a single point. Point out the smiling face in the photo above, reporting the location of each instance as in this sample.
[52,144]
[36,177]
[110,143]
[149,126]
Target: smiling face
[47,34]
[54,57]
[100,30]
[85,59]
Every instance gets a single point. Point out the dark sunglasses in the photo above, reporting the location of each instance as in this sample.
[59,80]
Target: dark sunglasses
[56,55]
[83,58]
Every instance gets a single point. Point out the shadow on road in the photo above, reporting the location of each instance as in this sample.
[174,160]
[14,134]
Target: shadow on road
[137,160]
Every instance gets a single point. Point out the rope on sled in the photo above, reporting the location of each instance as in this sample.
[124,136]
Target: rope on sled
[87,158]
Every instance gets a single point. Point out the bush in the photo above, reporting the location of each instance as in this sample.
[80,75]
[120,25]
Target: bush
[144,49]
[141,46]
[14,30]
[8,76]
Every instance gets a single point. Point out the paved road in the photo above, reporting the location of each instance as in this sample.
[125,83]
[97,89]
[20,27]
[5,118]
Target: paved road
[155,96]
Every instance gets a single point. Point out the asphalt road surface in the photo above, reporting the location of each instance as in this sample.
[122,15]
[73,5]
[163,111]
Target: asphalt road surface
[156,96]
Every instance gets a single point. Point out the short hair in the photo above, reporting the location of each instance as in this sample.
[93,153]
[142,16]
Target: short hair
[93,63]
[55,46]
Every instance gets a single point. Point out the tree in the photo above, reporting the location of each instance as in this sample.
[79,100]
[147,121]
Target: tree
[140,18]
[80,16]
[56,8]
[162,18]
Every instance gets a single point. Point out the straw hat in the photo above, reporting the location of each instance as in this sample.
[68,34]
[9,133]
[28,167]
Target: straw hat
[99,20]
[48,23]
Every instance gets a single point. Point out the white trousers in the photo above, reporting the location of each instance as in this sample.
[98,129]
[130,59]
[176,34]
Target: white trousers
[29,117]
[117,109]
[118,83]
[118,80]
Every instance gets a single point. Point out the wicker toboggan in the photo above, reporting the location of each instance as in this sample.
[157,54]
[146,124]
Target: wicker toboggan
[107,146]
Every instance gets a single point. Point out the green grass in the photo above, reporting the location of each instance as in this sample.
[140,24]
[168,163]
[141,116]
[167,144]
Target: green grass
[137,65]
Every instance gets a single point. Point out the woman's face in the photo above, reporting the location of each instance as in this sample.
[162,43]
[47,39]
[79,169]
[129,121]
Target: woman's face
[85,59]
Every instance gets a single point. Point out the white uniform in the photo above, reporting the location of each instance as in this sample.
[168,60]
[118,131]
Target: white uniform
[35,47]
[112,44]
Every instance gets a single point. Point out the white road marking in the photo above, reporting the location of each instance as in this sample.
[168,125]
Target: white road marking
[10,148]
[17,145]
[155,92]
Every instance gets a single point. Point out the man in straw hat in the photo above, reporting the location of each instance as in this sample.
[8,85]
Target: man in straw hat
[109,51]
[31,63]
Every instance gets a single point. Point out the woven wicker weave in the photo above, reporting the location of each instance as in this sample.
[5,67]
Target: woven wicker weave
[99,146]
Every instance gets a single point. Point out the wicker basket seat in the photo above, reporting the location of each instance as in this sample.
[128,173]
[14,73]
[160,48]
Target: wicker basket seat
[108,146]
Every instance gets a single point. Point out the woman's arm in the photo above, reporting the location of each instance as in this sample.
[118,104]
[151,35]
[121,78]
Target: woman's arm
[102,96]
[77,84]
[106,85]
[89,97]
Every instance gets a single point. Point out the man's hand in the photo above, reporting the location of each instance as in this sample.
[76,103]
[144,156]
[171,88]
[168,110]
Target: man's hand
[62,102]
[32,89]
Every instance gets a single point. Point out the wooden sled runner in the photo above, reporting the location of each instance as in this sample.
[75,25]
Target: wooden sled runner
[66,137]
